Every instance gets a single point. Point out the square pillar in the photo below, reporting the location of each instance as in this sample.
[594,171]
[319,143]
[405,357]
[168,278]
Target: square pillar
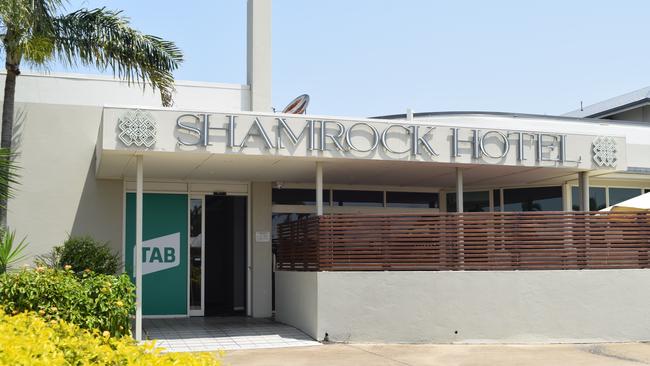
[261,254]
[319,188]
[459,190]
[139,184]
[583,182]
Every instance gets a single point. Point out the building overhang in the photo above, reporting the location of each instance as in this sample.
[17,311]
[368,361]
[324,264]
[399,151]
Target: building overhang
[244,146]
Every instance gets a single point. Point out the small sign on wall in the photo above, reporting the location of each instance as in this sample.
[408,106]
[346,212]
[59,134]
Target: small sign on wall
[263,236]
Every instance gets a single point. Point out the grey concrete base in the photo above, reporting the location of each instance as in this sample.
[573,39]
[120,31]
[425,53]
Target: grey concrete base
[468,307]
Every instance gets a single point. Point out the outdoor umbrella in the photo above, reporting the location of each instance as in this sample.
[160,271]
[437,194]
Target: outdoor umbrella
[638,203]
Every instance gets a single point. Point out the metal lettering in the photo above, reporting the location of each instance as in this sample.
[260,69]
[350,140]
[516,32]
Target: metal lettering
[335,138]
[261,133]
[541,146]
[375,140]
[384,141]
[183,126]
[230,130]
[283,126]
[476,149]
[416,140]
[506,144]
[563,149]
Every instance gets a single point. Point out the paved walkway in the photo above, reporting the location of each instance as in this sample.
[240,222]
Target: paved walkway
[623,354]
[222,333]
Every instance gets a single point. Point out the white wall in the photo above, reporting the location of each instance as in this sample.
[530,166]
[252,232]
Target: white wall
[91,90]
[296,300]
[58,193]
[482,307]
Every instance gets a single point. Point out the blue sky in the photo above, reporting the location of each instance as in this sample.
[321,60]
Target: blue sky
[365,58]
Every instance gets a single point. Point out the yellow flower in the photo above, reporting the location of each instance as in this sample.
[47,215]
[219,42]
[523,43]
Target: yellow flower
[106,334]
[119,303]
[67,267]
[40,269]
[54,309]
[53,322]
[41,312]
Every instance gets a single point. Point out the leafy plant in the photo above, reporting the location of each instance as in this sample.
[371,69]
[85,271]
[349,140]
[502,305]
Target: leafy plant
[89,300]
[28,339]
[10,252]
[8,176]
[51,259]
[84,252]
[38,32]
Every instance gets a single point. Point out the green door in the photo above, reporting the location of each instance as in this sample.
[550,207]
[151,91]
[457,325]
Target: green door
[164,252]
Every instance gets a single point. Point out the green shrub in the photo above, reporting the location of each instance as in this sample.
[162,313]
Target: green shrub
[10,251]
[89,300]
[84,252]
[27,339]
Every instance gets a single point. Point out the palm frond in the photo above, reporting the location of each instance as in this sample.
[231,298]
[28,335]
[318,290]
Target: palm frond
[104,39]
[8,175]
[10,252]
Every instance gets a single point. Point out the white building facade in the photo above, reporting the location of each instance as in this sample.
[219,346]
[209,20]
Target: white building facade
[219,171]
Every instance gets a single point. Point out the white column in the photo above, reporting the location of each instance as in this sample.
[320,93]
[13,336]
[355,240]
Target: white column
[319,188]
[258,53]
[459,190]
[138,248]
[583,182]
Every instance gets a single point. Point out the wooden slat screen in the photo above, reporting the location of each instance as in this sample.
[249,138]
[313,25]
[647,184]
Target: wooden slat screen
[465,241]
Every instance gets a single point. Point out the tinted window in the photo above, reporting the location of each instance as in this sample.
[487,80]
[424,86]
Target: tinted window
[617,195]
[533,199]
[597,199]
[496,198]
[358,198]
[412,199]
[292,196]
[472,201]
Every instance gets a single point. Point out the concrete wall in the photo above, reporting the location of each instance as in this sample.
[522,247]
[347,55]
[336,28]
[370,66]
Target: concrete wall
[58,194]
[296,300]
[474,307]
[56,129]
[94,90]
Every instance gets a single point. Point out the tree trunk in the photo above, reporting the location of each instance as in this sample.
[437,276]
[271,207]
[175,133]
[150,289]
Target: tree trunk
[7,126]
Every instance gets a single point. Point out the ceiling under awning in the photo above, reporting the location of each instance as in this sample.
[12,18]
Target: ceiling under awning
[215,167]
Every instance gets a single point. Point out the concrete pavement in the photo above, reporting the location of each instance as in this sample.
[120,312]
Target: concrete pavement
[449,355]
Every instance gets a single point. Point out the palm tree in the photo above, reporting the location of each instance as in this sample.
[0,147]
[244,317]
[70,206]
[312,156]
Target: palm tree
[38,32]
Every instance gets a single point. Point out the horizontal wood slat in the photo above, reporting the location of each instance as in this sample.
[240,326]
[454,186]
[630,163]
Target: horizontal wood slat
[465,241]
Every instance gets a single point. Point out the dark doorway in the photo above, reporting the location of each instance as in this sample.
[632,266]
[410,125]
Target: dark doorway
[225,255]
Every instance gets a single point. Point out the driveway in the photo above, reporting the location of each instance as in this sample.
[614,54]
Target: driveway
[449,355]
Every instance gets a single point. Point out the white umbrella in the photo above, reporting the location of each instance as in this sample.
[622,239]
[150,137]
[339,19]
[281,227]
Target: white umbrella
[638,203]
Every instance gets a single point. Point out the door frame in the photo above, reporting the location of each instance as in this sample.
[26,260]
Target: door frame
[201,311]
[201,196]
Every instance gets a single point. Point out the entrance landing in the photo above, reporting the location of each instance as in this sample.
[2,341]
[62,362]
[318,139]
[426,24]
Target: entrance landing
[200,334]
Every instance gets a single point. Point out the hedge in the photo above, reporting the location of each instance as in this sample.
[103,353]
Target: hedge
[89,300]
[28,339]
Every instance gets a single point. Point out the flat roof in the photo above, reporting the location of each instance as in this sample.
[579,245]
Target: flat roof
[613,105]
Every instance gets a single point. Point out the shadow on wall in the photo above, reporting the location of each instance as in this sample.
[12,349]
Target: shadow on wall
[99,213]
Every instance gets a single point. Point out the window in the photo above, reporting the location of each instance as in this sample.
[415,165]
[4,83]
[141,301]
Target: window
[358,198]
[472,201]
[618,195]
[411,199]
[597,199]
[293,196]
[496,199]
[533,199]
